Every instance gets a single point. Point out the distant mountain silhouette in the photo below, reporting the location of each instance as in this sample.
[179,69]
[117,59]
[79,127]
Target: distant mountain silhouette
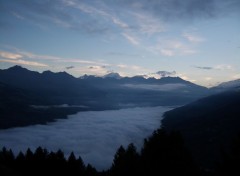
[208,125]
[97,93]
[227,86]
[62,88]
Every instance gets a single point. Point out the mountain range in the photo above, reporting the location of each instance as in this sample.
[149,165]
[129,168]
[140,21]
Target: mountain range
[62,88]
[46,96]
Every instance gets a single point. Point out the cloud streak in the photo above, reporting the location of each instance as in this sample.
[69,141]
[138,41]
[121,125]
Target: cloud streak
[185,10]
[131,39]
[69,67]
[193,38]
[9,55]
[24,62]
[204,68]
[217,67]
[171,47]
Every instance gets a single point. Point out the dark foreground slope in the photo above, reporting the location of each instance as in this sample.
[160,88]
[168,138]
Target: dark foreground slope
[208,125]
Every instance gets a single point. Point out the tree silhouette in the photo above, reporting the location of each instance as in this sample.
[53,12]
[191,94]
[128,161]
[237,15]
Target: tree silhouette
[230,166]
[90,171]
[125,161]
[162,154]
[165,154]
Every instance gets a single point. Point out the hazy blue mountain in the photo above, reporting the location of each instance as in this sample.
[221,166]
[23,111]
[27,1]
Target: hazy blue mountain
[95,93]
[226,86]
[112,89]
[208,125]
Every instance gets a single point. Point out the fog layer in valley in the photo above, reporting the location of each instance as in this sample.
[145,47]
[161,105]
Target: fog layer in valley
[94,135]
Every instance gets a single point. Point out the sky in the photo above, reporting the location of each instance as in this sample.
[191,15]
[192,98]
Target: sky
[197,40]
[88,134]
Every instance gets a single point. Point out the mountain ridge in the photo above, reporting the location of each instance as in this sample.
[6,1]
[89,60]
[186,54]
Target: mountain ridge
[96,93]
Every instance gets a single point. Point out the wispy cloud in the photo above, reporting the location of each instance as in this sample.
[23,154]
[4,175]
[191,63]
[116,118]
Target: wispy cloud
[185,77]
[187,10]
[147,24]
[9,55]
[24,62]
[17,15]
[236,76]
[193,38]
[121,54]
[204,68]
[98,70]
[216,67]
[133,40]
[19,53]
[131,67]
[69,67]
[81,61]
[171,47]
[17,58]
[208,78]
[167,52]
[224,67]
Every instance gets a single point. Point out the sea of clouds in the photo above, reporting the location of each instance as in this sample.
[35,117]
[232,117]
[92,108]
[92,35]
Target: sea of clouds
[93,135]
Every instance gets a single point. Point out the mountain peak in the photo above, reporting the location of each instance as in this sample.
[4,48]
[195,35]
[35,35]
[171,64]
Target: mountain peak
[112,75]
[59,74]
[19,70]
[16,68]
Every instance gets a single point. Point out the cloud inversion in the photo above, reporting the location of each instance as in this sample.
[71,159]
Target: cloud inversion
[89,134]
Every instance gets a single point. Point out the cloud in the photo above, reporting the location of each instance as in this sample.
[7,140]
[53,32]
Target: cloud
[133,40]
[208,78]
[121,54]
[88,134]
[185,10]
[184,77]
[143,16]
[167,52]
[217,67]
[96,67]
[193,38]
[70,67]
[98,70]
[224,67]
[30,55]
[24,62]
[160,74]
[81,61]
[130,70]
[16,58]
[147,24]
[19,53]
[166,73]
[236,76]
[9,55]
[204,68]
[171,47]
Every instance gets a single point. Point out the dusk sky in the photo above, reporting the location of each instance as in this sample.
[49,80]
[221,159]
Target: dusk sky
[197,40]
